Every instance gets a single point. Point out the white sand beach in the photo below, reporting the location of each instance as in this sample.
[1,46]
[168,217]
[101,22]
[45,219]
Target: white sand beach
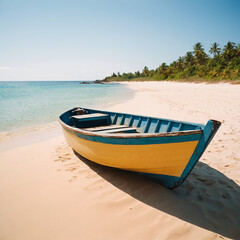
[47,192]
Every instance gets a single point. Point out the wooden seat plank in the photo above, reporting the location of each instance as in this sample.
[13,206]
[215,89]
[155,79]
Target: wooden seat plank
[121,130]
[102,128]
[86,117]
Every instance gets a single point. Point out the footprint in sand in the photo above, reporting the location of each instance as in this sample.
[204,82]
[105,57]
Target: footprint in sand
[64,158]
[207,182]
[226,196]
[200,198]
[222,182]
[73,179]
[71,169]
[66,154]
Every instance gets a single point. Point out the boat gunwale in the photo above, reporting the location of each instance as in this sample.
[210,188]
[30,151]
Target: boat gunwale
[129,135]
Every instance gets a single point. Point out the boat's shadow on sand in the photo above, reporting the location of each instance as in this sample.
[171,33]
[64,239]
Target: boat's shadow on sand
[207,199]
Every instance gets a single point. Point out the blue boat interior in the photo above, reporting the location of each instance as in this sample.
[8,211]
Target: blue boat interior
[113,122]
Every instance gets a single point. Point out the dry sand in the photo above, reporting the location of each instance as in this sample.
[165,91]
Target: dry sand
[48,193]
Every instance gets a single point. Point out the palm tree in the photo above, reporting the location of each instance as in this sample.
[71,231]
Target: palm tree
[200,55]
[198,47]
[215,50]
[189,59]
[180,63]
[137,74]
[173,65]
[145,71]
[162,68]
[229,50]
[238,50]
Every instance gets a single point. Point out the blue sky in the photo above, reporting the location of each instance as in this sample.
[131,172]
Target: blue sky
[87,40]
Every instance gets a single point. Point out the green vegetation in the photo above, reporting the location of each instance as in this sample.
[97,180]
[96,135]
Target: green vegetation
[221,64]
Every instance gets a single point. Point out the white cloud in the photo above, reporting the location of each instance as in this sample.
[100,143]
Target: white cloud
[5,68]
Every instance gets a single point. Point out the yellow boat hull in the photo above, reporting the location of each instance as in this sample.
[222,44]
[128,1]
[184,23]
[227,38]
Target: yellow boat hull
[168,159]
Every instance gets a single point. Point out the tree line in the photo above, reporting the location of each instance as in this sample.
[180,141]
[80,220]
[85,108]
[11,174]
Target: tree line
[218,64]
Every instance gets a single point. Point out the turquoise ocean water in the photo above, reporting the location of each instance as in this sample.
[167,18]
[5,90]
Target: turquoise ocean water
[29,104]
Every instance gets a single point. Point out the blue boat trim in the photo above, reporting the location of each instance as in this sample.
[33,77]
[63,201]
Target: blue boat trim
[140,141]
[142,138]
[165,180]
[208,133]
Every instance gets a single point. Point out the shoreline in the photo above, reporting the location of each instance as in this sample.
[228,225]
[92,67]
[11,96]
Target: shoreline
[58,97]
[16,133]
[48,192]
[6,136]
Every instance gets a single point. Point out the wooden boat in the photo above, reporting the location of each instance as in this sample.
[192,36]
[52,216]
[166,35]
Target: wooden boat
[163,149]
